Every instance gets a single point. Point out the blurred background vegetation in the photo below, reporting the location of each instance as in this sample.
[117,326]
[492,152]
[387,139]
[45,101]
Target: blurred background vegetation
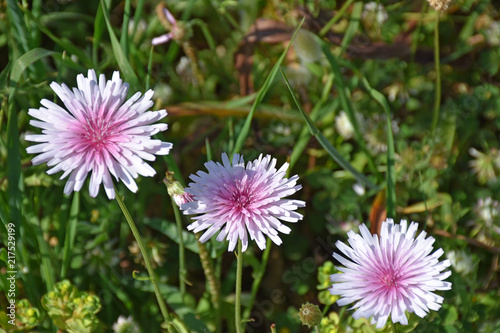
[447,177]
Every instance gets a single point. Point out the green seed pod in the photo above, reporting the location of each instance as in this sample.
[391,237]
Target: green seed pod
[310,315]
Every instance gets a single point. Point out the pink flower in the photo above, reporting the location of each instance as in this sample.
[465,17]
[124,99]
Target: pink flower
[182,198]
[168,36]
[97,132]
[390,275]
[234,199]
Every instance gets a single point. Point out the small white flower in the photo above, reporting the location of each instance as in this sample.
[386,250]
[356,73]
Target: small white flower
[374,10]
[461,261]
[492,34]
[125,325]
[359,189]
[344,126]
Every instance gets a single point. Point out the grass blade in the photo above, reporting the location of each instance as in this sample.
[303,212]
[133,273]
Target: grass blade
[124,36]
[326,144]
[70,233]
[4,75]
[121,58]
[14,175]
[46,268]
[347,106]
[334,19]
[26,60]
[353,26]
[139,7]
[17,24]
[305,135]
[391,172]
[99,25]
[240,140]
[66,45]
[209,149]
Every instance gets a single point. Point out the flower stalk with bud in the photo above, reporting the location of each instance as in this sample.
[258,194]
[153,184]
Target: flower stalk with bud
[179,196]
[180,32]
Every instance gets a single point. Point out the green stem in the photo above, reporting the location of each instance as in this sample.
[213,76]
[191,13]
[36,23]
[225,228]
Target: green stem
[237,302]
[258,275]
[317,329]
[137,236]
[437,101]
[182,262]
[394,328]
[416,34]
[334,19]
[213,282]
[70,233]
[126,20]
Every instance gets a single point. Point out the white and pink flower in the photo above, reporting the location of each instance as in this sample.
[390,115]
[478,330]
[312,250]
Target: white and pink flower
[97,132]
[391,274]
[238,200]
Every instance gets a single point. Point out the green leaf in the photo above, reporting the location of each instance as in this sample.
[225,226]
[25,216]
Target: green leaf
[17,24]
[305,134]
[124,37]
[326,144]
[260,96]
[52,18]
[391,161]
[4,75]
[353,26]
[65,44]
[451,316]
[452,329]
[334,19]
[420,207]
[121,58]
[70,233]
[169,229]
[27,59]
[346,105]
[99,26]
[3,255]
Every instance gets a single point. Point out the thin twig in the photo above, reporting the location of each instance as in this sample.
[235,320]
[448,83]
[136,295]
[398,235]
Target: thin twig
[471,241]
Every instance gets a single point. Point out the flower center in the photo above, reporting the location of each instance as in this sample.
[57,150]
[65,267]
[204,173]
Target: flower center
[241,199]
[97,133]
[389,279]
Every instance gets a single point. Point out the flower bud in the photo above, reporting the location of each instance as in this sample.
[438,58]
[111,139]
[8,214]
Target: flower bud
[310,315]
[71,310]
[27,316]
[176,190]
